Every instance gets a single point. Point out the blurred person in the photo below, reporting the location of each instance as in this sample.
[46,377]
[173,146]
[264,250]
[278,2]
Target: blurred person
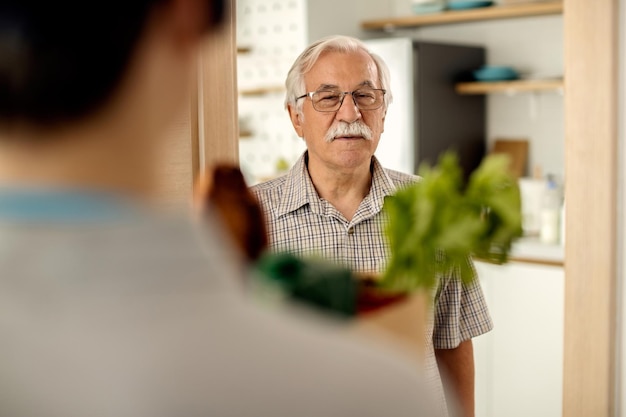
[330,202]
[107,309]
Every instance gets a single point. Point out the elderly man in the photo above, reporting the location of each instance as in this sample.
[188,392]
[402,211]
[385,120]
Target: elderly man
[330,202]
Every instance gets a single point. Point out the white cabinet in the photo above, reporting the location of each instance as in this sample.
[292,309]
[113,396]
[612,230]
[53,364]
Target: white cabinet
[519,365]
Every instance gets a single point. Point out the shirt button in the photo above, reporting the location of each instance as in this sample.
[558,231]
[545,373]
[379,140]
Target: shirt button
[351,231]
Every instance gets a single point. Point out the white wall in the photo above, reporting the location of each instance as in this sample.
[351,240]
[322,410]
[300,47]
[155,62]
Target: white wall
[343,17]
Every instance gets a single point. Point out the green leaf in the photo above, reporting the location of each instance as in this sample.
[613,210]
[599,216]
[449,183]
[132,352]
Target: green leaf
[435,226]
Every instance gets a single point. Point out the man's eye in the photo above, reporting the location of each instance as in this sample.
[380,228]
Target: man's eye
[364,95]
[328,97]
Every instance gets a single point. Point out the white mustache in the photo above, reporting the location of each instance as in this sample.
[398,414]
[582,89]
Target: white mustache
[342,129]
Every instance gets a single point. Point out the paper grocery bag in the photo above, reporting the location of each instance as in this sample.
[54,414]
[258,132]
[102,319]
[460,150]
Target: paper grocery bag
[399,323]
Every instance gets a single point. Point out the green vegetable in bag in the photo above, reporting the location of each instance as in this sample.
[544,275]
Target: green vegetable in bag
[436,225]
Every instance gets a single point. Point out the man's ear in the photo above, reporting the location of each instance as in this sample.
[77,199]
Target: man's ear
[296,119]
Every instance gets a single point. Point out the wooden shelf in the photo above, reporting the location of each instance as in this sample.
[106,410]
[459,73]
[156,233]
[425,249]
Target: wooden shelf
[471,15]
[261,91]
[517,86]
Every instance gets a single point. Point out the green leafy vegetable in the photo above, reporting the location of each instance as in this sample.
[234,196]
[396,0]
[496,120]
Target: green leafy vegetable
[435,226]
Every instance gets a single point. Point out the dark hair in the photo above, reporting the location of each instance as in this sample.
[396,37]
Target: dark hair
[61,60]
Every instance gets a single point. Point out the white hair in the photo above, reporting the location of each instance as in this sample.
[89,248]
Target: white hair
[295,78]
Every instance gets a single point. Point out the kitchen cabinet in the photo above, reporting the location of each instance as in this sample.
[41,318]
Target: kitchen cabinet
[519,364]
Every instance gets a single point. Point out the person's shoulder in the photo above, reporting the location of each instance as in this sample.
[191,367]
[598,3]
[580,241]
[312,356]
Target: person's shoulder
[269,192]
[401,179]
[269,185]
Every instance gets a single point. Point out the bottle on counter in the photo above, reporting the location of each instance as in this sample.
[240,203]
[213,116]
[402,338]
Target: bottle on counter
[551,213]
[532,192]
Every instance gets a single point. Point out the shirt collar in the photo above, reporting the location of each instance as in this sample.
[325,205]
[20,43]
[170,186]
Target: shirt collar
[65,205]
[299,190]
[382,186]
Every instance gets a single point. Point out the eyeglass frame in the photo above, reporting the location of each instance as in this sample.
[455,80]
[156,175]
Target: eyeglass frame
[343,96]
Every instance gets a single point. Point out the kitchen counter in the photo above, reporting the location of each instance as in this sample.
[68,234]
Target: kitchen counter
[531,250]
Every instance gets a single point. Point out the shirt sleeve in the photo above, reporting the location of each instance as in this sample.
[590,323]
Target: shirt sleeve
[461,312]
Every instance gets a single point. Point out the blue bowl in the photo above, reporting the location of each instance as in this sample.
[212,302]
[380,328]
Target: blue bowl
[468,4]
[428,8]
[494,73]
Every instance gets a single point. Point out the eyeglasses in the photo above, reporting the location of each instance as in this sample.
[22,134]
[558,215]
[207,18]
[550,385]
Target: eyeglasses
[331,100]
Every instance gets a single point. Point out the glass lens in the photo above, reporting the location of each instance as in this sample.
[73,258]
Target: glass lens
[326,100]
[367,98]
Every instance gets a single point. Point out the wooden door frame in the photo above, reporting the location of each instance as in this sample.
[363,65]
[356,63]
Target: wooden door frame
[591,166]
[218,127]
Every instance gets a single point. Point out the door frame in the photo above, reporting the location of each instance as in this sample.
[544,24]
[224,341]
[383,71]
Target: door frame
[218,126]
[590,376]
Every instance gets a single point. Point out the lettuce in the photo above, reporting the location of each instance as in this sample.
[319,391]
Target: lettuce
[437,225]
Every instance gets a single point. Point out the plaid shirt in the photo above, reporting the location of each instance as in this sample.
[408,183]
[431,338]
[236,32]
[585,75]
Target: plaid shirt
[302,223]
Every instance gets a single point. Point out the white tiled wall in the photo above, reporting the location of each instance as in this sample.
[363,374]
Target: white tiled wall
[275,33]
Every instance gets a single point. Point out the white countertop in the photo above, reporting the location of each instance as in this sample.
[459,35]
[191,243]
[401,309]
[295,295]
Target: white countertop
[529,249]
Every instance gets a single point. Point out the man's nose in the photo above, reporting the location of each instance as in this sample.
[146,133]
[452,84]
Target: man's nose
[348,111]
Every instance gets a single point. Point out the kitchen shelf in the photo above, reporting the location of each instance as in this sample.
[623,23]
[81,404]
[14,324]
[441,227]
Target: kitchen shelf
[472,15]
[517,86]
[261,91]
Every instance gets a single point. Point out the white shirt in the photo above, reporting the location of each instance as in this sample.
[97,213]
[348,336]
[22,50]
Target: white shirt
[138,316]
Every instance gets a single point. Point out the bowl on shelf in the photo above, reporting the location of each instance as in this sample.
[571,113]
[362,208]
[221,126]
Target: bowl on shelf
[428,7]
[509,2]
[468,4]
[495,73]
